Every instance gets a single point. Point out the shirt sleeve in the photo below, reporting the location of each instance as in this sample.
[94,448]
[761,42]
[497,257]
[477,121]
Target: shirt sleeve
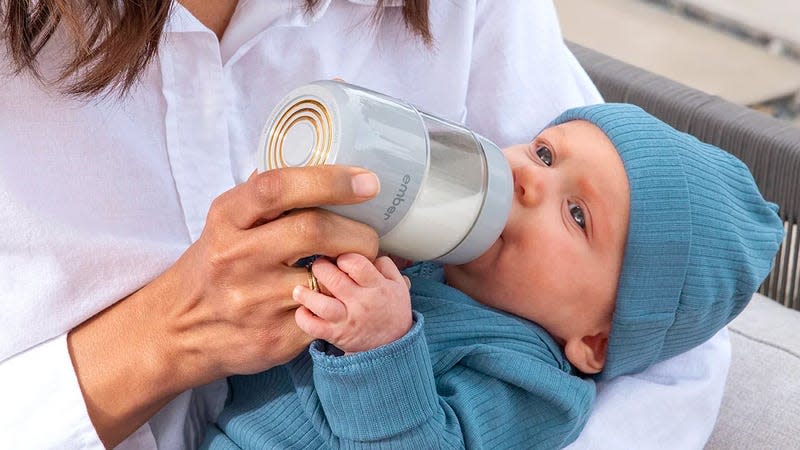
[43,407]
[492,398]
[522,75]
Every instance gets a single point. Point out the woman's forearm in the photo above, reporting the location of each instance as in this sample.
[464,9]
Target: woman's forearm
[123,363]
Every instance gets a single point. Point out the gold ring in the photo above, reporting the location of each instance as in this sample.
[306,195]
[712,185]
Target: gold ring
[312,280]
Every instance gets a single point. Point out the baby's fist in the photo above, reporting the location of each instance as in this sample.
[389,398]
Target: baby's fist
[369,304]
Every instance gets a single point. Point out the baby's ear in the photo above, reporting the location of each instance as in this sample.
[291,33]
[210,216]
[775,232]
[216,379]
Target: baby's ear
[588,353]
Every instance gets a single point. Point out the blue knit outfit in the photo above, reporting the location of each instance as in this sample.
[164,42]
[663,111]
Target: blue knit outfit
[465,375]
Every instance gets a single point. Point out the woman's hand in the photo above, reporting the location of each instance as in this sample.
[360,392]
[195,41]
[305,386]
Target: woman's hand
[369,304]
[236,281]
[225,307]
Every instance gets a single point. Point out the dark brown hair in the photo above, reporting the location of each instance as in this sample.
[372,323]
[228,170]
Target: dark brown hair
[113,41]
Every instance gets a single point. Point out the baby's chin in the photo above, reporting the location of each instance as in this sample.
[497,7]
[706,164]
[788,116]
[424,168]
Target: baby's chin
[456,275]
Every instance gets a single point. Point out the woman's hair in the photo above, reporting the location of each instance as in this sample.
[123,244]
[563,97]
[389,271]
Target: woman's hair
[114,40]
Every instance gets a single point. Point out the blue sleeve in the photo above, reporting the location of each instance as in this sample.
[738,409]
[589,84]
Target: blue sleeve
[389,398]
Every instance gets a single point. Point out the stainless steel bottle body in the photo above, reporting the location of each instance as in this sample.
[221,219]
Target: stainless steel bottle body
[445,191]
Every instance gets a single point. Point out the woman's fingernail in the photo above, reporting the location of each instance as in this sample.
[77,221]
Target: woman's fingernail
[365,185]
[296,292]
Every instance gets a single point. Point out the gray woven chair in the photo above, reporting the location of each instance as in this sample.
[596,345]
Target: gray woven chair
[761,405]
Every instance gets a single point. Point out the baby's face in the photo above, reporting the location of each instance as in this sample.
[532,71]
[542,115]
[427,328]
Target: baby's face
[559,257]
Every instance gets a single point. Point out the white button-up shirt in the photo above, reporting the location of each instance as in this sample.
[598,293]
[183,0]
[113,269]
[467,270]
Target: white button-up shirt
[97,198]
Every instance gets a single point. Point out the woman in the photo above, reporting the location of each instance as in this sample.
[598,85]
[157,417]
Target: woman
[146,260]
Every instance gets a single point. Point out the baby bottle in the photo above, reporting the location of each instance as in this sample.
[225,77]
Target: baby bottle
[445,191]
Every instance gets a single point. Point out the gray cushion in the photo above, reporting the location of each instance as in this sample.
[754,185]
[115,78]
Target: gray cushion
[761,405]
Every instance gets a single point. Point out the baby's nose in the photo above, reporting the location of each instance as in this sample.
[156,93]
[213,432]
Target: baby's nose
[530,185]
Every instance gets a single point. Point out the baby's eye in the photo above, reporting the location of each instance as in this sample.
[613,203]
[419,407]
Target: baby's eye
[545,155]
[576,212]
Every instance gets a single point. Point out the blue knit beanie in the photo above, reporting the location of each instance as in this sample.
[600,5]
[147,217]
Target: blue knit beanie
[701,238]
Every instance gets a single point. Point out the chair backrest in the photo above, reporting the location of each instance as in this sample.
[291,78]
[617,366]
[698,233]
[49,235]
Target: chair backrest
[769,147]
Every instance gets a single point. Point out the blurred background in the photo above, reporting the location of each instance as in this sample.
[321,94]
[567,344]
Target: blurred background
[745,51]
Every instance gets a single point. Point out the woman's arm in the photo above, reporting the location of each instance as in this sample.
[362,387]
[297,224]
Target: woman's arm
[225,306]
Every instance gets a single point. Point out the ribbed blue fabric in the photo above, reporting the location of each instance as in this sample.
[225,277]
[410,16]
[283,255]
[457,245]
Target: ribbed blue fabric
[701,238]
[464,376]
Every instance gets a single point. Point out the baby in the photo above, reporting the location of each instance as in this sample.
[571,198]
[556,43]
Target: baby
[628,242]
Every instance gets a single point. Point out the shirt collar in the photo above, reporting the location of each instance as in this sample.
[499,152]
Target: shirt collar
[387,3]
[182,21]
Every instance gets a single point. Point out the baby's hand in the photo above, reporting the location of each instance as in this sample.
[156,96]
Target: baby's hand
[369,304]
